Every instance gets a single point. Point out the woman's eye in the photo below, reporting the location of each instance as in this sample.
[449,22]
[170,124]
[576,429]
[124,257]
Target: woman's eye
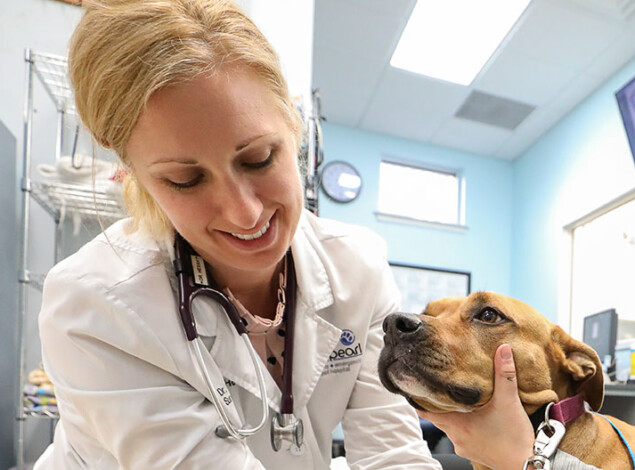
[261,163]
[489,316]
[185,184]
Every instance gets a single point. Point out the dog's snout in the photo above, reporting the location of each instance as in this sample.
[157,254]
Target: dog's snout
[407,323]
[400,325]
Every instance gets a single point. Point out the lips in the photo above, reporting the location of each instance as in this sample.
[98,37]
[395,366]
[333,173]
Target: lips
[258,240]
[252,236]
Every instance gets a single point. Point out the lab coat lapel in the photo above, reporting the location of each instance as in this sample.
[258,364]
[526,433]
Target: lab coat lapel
[231,355]
[315,338]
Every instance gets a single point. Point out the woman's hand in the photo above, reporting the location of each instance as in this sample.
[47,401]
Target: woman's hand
[498,435]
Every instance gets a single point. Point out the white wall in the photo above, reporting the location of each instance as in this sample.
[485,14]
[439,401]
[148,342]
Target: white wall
[43,25]
[288,25]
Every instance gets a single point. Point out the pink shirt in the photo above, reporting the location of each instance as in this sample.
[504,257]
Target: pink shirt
[267,337]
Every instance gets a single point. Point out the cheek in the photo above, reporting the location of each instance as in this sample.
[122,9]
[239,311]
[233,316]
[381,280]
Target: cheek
[284,187]
[179,208]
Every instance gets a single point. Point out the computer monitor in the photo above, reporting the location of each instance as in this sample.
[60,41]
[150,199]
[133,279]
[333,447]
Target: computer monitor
[600,332]
[626,102]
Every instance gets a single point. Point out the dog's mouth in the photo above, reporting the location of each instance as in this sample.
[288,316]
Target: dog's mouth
[423,388]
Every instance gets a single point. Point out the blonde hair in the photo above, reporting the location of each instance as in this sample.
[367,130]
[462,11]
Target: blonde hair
[123,51]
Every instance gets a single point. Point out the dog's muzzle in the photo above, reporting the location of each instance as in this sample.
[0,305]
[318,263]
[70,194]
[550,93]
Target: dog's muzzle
[412,348]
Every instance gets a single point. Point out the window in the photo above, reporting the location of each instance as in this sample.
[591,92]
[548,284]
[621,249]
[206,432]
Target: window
[420,194]
[603,267]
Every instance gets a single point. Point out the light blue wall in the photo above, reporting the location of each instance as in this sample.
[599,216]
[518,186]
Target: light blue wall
[516,211]
[484,250]
[576,167]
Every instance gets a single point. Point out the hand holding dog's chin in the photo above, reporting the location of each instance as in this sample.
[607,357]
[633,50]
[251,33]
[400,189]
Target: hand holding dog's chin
[498,435]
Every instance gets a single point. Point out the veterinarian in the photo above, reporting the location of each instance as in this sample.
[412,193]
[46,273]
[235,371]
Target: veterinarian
[190,96]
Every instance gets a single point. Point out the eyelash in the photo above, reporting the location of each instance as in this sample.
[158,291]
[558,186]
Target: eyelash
[261,164]
[251,166]
[186,185]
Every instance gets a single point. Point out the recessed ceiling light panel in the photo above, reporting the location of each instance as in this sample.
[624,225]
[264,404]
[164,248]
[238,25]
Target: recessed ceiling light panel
[453,39]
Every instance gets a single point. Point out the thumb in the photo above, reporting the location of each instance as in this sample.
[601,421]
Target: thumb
[505,385]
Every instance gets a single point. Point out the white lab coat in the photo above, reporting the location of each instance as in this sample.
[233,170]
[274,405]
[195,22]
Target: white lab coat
[130,393]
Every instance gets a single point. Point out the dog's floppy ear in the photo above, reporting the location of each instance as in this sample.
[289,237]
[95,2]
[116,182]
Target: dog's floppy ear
[582,363]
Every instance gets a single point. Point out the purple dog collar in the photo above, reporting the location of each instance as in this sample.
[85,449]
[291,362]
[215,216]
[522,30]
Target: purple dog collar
[568,409]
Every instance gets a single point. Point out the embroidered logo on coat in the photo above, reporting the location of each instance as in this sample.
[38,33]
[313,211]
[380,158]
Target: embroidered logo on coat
[347,338]
[342,358]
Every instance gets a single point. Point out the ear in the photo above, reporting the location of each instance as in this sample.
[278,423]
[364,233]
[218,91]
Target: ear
[582,363]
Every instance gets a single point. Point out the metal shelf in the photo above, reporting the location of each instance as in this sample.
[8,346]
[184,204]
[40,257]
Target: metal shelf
[59,198]
[35,280]
[52,70]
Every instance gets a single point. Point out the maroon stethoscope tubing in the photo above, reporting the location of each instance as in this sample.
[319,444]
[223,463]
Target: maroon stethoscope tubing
[189,290]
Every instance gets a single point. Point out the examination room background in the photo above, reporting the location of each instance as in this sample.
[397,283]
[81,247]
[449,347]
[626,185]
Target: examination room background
[515,210]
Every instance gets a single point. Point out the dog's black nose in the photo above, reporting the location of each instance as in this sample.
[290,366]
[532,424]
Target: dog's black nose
[400,325]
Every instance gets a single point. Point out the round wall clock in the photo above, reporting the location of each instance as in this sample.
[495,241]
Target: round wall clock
[341,182]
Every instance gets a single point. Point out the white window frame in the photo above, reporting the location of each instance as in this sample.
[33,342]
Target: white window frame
[397,218]
[565,308]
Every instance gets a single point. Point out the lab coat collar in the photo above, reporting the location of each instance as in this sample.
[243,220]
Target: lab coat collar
[314,287]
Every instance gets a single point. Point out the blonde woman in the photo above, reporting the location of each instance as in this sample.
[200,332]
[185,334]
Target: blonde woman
[190,96]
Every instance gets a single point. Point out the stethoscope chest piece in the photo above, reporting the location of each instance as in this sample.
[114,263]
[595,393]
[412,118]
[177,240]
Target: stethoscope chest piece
[286,427]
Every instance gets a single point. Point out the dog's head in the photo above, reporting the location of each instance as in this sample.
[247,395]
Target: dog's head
[443,359]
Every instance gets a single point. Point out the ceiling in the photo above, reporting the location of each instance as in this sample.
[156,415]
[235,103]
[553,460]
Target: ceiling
[557,53]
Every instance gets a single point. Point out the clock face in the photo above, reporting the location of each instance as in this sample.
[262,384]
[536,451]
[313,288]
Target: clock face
[341,182]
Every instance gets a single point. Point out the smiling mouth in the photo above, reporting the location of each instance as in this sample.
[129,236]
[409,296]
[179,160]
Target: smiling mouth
[253,236]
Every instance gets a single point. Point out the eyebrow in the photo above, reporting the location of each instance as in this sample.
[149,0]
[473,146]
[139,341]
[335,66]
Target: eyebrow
[183,161]
[190,161]
[246,143]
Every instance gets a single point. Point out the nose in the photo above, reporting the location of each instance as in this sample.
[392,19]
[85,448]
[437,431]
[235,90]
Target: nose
[237,203]
[400,326]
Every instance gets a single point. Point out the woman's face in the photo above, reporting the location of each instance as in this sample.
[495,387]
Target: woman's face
[219,158]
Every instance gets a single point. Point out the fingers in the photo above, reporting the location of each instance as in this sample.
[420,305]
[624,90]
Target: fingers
[505,386]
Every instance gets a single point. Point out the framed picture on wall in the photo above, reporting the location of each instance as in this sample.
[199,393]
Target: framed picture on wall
[421,284]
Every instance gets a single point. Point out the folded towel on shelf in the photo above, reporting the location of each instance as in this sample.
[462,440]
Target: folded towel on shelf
[81,170]
[39,400]
[39,377]
[45,389]
[39,394]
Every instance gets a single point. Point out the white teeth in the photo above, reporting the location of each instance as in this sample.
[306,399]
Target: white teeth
[252,236]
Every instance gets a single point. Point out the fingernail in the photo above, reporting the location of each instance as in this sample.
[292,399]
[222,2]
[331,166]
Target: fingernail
[506,351]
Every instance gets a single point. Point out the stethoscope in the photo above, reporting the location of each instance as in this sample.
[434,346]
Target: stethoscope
[193,281]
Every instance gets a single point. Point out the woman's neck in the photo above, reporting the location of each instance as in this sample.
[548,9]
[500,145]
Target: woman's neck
[257,291]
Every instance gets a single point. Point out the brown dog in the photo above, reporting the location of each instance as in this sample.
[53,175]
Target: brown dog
[443,360]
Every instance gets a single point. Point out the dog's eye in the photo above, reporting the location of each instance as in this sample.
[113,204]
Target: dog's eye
[490,316]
